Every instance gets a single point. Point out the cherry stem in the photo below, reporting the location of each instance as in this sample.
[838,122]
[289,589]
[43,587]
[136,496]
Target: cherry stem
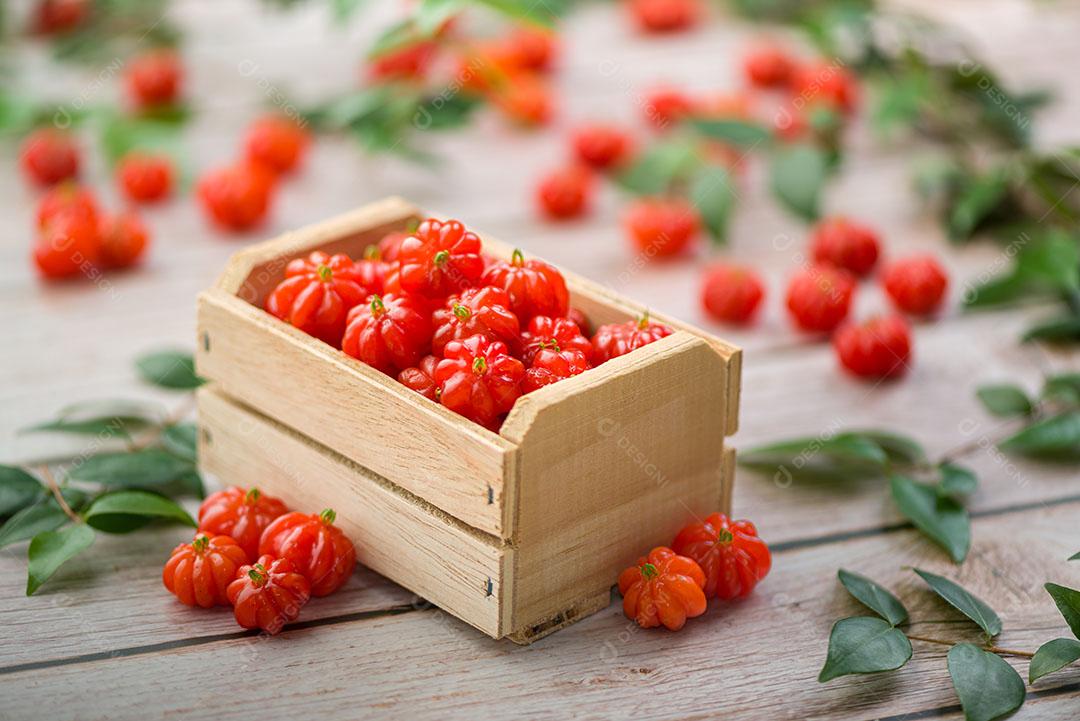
[479,365]
[649,571]
[257,574]
[643,321]
[201,543]
[990,648]
[517,258]
[50,480]
[377,307]
[252,496]
[372,253]
[725,536]
[328,516]
[441,257]
[462,312]
[324,273]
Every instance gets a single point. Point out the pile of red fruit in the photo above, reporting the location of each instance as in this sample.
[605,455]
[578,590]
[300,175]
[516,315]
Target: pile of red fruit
[713,559]
[250,552]
[458,327]
[819,296]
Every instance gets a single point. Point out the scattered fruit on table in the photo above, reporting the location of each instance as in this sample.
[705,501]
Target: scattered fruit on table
[730,554]
[565,193]
[661,227]
[145,177]
[768,66]
[663,588]
[916,284]
[52,17]
[602,147]
[664,16]
[268,594]
[154,79]
[731,293]
[317,548]
[236,197]
[49,156]
[819,298]
[199,573]
[277,142]
[67,197]
[846,244]
[665,107]
[317,294]
[877,348]
[67,245]
[242,514]
[827,82]
[123,239]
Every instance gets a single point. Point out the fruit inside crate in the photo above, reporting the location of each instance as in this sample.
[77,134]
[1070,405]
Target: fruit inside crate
[516,532]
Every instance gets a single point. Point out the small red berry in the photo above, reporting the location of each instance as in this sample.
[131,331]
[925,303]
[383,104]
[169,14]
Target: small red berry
[477,311]
[69,242]
[479,379]
[317,294]
[616,339]
[440,258]
[240,513]
[732,293]
[389,333]
[59,16]
[546,332]
[531,48]
[916,285]
[390,246]
[268,594]
[819,298]
[730,554]
[199,573]
[124,238]
[580,320]
[67,198]
[319,550]
[145,178]
[768,66]
[534,287]
[421,378]
[661,226]
[661,16]
[410,62]
[877,348]
[602,146]
[525,99]
[277,142]
[828,83]
[666,107]
[238,196]
[49,156]
[551,364]
[154,78]
[845,244]
[565,193]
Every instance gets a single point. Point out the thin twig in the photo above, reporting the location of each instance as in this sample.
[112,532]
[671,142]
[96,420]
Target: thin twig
[50,480]
[991,649]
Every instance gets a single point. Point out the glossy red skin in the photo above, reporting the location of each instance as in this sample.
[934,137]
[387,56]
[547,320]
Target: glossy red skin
[534,287]
[916,285]
[58,16]
[670,597]
[49,156]
[602,146]
[319,550]
[732,567]
[423,272]
[581,320]
[563,332]
[318,301]
[732,293]
[845,244]
[819,298]
[272,602]
[828,83]
[421,378]
[662,16]
[531,48]
[876,349]
[565,193]
[392,337]
[236,513]
[390,246]
[666,107]
[236,197]
[661,227]
[768,66]
[123,239]
[68,243]
[550,366]
[616,339]
[201,577]
[525,99]
[67,198]
[276,142]
[483,390]
[154,78]
[487,313]
[406,63]
[145,178]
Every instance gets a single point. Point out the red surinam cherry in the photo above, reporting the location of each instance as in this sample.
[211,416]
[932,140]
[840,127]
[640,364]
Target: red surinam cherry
[421,377]
[819,298]
[477,311]
[268,594]
[768,66]
[845,244]
[440,258]
[534,287]
[730,554]
[154,78]
[317,294]
[877,348]
[544,331]
[276,142]
[199,573]
[565,193]
[551,364]
[49,156]
[67,198]
[826,82]
[145,177]
[732,293]
[916,285]
[661,16]
[318,549]
[616,339]
[663,588]
[479,379]
[601,146]
[665,107]
[68,243]
[242,514]
[238,196]
[123,239]
[661,227]
[389,333]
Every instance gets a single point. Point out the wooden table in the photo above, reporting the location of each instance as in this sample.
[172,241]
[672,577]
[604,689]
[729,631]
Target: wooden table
[104,640]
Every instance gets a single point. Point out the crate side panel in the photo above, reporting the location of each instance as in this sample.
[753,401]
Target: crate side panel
[614,468]
[354,410]
[456,568]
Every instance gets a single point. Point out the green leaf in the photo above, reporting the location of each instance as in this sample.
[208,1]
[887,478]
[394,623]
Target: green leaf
[656,168]
[123,134]
[975,203]
[957,480]
[875,597]
[103,418]
[1053,438]
[1004,400]
[999,290]
[732,131]
[1064,328]
[941,519]
[846,456]
[713,194]
[45,515]
[125,511]
[445,111]
[1068,602]
[538,13]
[899,449]
[1074,557]
[1053,656]
[148,468]
[797,176]
[431,14]
[963,601]
[864,644]
[18,489]
[181,439]
[988,687]
[169,369]
[51,549]
[1063,387]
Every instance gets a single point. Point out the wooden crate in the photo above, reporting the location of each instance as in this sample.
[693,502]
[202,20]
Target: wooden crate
[518,532]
